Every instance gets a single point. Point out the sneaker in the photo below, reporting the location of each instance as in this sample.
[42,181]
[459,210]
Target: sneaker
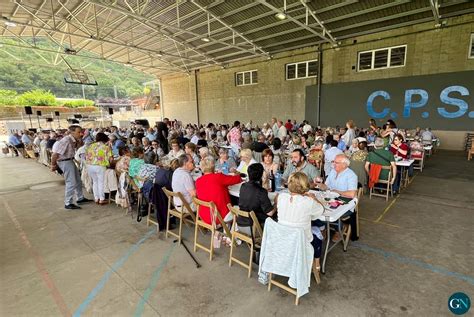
[84,200]
[72,206]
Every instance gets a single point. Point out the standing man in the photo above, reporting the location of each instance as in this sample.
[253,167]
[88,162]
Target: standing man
[63,158]
[162,135]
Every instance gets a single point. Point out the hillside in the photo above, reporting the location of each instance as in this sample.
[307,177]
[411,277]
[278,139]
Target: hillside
[23,70]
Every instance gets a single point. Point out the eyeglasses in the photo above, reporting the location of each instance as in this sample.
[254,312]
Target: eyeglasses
[334,162]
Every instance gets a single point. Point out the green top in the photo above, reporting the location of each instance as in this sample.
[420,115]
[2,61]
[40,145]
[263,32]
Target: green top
[381,157]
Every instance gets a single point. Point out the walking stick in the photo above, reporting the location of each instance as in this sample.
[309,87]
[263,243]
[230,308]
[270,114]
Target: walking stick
[189,252]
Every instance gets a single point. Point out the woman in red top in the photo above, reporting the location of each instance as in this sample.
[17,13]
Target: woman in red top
[398,148]
[214,187]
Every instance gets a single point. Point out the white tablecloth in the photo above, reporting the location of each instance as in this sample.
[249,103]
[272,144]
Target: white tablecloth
[329,214]
[405,163]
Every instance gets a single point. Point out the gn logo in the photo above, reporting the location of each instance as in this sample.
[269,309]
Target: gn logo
[459,303]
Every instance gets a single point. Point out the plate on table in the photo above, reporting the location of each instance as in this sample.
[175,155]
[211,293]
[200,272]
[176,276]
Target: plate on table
[330,195]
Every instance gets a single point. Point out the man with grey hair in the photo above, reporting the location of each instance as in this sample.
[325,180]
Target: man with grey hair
[62,160]
[382,157]
[341,179]
[183,181]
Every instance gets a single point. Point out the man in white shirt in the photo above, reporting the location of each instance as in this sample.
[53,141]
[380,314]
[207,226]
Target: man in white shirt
[329,156]
[426,136]
[282,132]
[307,127]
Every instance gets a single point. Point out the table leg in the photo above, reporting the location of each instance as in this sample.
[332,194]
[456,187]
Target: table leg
[326,249]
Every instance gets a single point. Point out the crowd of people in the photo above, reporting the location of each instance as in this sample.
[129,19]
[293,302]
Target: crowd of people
[202,161]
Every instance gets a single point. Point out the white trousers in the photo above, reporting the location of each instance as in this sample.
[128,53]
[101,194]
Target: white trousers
[97,174]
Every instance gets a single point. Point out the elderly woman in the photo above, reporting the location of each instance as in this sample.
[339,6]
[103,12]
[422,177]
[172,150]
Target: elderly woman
[175,151]
[267,131]
[225,163]
[270,168]
[353,148]
[316,154]
[190,148]
[298,208]
[246,159]
[214,187]
[203,153]
[98,158]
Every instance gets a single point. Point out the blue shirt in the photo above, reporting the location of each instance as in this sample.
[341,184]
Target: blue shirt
[13,140]
[151,136]
[346,180]
[341,145]
[115,147]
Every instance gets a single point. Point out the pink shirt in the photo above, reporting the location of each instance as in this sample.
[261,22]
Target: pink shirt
[234,136]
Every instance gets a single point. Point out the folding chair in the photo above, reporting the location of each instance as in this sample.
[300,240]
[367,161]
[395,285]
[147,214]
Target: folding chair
[151,220]
[385,185]
[211,227]
[182,214]
[249,240]
[471,151]
[133,189]
[419,162]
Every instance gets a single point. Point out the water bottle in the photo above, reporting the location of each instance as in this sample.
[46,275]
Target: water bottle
[271,178]
[278,181]
[225,168]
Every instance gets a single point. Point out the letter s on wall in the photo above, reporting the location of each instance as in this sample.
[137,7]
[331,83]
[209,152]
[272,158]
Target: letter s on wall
[370,107]
[446,99]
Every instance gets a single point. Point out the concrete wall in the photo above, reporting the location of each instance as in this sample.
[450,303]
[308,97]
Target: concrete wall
[220,100]
[429,51]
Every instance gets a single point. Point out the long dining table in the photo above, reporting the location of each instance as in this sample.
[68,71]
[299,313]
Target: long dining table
[330,215]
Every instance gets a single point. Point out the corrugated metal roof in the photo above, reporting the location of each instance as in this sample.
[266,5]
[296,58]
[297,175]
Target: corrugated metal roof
[149,32]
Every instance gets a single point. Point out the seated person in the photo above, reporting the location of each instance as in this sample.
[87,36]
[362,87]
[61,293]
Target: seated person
[298,208]
[380,156]
[361,154]
[269,168]
[342,180]
[299,164]
[398,147]
[157,149]
[253,197]
[316,154]
[163,178]
[416,148]
[225,163]
[330,154]
[214,187]
[175,151]
[123,161]
[246,159]
[353,148]
[260,144]
[183,181]
[190,148]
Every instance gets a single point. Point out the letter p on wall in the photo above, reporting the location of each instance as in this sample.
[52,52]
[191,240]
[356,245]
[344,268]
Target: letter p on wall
[409,103]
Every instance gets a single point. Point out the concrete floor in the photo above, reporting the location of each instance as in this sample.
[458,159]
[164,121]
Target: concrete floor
[97,262]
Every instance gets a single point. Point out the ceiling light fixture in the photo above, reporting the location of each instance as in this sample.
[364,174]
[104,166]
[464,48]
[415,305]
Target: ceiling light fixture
[206,39]
[282,15]
[8,22]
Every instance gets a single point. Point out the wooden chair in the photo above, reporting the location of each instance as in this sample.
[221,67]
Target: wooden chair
[419,162]
[151,220]
[250,240]
[133,189]
[215,215]
[184,213]
[470,152]
[385,185]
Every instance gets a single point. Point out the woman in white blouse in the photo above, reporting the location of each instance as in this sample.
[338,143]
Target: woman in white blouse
[246,159]
[297,209]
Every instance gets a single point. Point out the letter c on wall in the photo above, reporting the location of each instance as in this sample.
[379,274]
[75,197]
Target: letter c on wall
[370,107]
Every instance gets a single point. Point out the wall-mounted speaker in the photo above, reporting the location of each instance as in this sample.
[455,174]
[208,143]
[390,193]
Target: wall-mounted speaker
[38,113]
[49,119]
[56,113]
[28,110]
[111,111]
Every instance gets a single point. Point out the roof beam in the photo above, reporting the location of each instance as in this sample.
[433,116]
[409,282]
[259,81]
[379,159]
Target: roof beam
[325,30]
[229,27]
[435,9]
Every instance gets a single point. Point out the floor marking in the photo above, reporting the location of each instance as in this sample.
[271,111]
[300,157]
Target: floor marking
[154,280]
[107,275]
[59,300]
[380,223]
[387,209]
[411,180]
[406,260]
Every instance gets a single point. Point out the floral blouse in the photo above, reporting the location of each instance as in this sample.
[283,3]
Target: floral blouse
[99,154]
[359,156]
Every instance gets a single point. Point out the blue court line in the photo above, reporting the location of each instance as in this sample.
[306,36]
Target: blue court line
[154,280]
[107,275]
[430,267]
